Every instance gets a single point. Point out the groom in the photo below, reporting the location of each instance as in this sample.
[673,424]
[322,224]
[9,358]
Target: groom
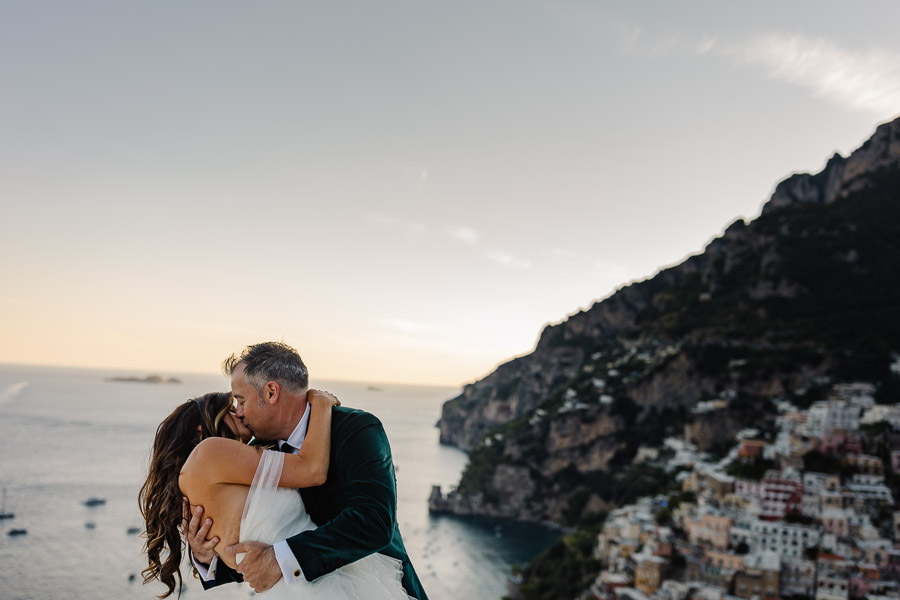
[356,508]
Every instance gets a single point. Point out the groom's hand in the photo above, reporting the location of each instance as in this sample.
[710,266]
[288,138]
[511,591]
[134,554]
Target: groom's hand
[259,565]
[203,550]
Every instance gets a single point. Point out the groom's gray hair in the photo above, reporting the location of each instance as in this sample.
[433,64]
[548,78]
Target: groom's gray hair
[270,361]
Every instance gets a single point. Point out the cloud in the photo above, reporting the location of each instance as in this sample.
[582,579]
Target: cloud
[405,325]
[508,260]
[470,237]
[463,234]
[564,253]
[858,80]
[389,223]
[865,81]
[633,40]
[412,335]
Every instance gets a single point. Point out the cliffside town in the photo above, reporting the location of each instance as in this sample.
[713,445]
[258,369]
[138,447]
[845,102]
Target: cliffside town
[807,514]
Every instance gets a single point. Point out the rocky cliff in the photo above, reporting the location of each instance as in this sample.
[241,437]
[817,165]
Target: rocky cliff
[805,294]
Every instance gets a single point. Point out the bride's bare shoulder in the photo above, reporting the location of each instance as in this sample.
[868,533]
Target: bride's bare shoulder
[215,454]
[219,460]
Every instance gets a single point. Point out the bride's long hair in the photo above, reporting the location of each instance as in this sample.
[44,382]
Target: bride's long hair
[160,499]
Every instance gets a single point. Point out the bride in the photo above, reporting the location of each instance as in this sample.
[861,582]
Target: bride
[250,493]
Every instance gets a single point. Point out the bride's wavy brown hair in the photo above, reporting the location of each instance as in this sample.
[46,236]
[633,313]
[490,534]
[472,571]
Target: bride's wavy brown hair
[160,499]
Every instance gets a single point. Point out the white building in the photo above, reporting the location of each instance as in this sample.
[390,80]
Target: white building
[860,394]
[686,454]
[871,494]
[833,545]
[742,530]
[798,577]
[831,587]
[823,416]
[882,412]
[831,580]
[672,590]
[812,505]
[786,539]
[781,446]
[867,479]
[814,486]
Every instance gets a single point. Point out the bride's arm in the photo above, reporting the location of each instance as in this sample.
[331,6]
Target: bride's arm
[310,464]
[221,460]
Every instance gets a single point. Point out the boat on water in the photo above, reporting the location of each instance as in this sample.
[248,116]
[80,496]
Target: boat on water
[14,532]
[94,501]
[3,513]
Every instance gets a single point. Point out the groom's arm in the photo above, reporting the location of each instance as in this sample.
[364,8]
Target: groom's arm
[223,574]
[367,522]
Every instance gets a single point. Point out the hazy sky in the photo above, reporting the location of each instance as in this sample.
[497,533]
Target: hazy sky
[404,191]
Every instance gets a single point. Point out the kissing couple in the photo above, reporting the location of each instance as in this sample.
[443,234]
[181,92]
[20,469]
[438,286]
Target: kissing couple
[238,505]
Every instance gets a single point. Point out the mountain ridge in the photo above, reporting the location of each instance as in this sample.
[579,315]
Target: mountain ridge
[802,293]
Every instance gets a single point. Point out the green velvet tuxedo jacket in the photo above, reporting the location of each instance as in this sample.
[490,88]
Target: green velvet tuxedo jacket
[356,508]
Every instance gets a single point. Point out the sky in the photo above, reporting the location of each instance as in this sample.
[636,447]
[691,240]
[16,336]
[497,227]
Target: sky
[404,191]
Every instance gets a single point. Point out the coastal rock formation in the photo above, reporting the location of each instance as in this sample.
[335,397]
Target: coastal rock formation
[522,384]
[803,295]
[841,176]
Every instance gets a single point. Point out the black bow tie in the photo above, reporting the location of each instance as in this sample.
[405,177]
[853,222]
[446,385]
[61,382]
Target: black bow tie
[287,448]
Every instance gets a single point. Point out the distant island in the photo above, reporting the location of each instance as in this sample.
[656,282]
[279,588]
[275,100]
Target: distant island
[147,379]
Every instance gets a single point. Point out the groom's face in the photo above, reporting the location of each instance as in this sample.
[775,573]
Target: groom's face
[250,407]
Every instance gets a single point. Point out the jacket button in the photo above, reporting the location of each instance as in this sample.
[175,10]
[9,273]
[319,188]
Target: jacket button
[297,573]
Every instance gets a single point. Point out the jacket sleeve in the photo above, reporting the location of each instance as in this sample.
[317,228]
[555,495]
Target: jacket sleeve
[224,574]
[366,523]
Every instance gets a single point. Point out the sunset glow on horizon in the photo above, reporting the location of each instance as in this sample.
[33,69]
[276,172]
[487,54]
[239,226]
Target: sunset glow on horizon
[403,192]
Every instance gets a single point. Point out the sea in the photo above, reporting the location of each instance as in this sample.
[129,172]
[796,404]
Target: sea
[68,435]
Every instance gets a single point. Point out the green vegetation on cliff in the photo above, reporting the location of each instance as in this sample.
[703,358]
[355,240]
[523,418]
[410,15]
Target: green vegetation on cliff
[563,570]
[780,308]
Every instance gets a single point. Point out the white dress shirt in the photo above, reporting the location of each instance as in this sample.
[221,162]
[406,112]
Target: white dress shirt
[290,567]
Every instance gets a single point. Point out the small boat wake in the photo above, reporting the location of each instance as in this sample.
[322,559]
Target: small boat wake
[12,391]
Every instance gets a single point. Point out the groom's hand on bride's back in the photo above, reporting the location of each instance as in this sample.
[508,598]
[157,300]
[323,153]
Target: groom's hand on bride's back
[195,529]
[259,566]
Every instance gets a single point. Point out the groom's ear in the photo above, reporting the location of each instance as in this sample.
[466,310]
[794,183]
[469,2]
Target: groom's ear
[271,391]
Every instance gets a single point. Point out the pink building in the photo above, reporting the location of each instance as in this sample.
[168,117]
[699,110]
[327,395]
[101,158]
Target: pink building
[835,521]
[838,441]
[858,587]
[724,560]
[709,529]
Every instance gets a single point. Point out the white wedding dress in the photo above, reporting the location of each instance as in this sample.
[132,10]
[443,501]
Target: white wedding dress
[272,514]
